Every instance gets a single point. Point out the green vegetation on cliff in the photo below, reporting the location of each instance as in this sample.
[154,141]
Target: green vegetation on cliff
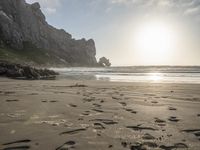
[30,55]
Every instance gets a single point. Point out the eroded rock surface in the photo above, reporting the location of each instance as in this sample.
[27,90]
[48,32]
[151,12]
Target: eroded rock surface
[22,23]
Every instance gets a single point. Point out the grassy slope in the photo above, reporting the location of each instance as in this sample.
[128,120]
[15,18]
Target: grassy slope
[30,55]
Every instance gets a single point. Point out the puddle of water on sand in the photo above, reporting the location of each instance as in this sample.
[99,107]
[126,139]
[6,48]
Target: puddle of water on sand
[54,116]
[53,123]
[84,125]
[15,115]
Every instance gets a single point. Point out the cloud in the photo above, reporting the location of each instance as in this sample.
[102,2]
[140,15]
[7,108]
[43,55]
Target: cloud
[192,11]
[187,8]
[119,1]
[49,6]
[161,3]
[129,2]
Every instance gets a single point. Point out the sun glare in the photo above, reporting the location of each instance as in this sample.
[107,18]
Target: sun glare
[154,43]
[155,77]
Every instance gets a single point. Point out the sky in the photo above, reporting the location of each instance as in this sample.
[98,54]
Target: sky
[132,32]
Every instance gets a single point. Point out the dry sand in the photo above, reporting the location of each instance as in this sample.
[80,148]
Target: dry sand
[97,115]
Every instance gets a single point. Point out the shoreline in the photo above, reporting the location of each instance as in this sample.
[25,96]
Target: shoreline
[134,74]
[88,115]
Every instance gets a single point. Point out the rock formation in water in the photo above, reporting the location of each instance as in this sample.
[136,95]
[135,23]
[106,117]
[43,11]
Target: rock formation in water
[23,24]
[104,62]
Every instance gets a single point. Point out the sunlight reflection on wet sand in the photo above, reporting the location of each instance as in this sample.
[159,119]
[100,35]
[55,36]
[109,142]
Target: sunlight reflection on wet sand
[155,77]
[149,77]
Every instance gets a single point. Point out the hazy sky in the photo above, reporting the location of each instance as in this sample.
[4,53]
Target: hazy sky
[132,32]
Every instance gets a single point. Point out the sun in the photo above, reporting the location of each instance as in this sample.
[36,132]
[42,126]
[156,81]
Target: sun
[154,43]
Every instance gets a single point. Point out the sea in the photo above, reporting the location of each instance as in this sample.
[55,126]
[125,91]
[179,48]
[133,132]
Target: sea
[152,74]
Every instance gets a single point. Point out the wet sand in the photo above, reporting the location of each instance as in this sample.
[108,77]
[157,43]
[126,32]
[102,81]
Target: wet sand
[97,115]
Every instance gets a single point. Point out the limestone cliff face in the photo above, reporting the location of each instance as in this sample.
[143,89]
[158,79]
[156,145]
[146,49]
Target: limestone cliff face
[21,23]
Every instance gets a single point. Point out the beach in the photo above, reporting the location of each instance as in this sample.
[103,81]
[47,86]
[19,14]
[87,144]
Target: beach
[88,114]
[99,75]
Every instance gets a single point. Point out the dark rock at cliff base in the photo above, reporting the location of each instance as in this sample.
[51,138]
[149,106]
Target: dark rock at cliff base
[104,62]
[22,23]
[18,71]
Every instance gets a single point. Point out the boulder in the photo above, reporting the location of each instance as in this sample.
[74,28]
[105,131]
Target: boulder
[18,71]
[2,70]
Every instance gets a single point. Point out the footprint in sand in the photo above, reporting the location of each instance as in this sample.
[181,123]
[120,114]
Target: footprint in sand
[98,110]
[196,132]
[86,113]
[98,126]
[165,96]
[148,136]
[72,105]
[115,98]
[67,145]
[53,101]
[25,146]
[105,121]
[160,122]
[88,99]
[139,128]
[175,146]
[157,120]
[172,108]
[12,100]
[102,101]
[124,144]
[173,119]
[150,145]
[96,105]
[131,110]
[139,146]
[123,103]
[154,102]
[74,131]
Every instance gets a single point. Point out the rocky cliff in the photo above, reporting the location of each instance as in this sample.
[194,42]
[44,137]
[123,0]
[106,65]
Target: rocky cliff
[24,25]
